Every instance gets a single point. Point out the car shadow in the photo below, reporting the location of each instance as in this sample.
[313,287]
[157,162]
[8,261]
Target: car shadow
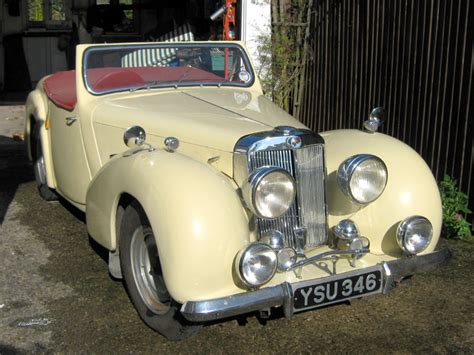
[264,318]
[7,350]
[15,169]
[102,252]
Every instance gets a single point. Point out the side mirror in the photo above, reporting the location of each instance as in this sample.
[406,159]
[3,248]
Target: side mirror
[134,136]
[376,118]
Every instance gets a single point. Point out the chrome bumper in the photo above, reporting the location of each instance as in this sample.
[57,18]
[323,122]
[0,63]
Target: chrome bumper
[281,295]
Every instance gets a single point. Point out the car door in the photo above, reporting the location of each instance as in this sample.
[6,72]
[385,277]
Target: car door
[69,159]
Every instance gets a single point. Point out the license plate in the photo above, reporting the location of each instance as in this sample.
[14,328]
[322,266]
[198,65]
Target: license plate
[311,294]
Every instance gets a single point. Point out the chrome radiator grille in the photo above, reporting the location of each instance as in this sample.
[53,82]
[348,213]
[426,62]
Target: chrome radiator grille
[308,212]
[310,178]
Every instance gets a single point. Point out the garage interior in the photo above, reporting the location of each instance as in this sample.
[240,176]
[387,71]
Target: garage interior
[38,37]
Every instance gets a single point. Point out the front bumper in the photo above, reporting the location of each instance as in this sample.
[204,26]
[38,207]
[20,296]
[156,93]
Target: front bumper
[282,295]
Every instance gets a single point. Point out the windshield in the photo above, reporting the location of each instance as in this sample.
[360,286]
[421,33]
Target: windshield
[135,67]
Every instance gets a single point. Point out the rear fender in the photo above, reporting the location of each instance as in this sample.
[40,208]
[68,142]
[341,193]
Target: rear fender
[411,189]
[195,212]
[36,110]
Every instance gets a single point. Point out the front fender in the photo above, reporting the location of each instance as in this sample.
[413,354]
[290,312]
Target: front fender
[411,189]
[195,212]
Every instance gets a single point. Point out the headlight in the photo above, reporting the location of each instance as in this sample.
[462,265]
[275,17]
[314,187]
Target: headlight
[269,192]
[256,264]
[362,177]
[414,234]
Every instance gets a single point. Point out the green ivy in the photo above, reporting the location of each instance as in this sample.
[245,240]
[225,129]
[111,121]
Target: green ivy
[455,210]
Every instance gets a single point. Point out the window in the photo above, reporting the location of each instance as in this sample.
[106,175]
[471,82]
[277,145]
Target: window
[124,4]
[47,13]
[122,11]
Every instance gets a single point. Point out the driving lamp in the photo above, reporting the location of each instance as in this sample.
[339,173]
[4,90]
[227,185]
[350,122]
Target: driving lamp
[256,264]
[286,258]
[269,192]
[414,234]
[362,177]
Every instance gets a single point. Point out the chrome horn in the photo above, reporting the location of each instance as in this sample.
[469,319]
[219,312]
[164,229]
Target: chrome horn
[376,118]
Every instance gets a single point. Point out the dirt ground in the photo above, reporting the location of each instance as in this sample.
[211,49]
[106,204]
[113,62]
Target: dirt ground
[57,296]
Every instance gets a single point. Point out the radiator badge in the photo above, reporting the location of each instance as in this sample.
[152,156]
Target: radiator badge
[294,142]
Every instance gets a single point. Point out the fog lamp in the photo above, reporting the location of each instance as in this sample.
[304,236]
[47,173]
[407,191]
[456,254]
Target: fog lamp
[286,258]
[256,264]
[359,244]
[346,230]
[414,234]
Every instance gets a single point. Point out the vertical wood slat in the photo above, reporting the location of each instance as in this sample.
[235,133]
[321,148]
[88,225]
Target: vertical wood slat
[412,57]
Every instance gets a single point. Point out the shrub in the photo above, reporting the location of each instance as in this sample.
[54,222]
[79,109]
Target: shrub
[455,210]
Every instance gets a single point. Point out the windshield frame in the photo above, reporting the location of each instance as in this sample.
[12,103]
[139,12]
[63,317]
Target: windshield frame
[223,83]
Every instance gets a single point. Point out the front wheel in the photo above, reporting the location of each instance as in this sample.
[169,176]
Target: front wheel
[144,279]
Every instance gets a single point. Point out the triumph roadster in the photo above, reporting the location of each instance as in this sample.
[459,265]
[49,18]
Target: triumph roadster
[211,200]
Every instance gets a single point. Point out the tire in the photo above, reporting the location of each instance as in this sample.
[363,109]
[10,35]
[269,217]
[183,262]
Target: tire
[40,170]
[147,290]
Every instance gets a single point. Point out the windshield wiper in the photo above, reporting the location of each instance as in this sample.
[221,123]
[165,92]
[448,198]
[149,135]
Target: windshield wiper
[148,85]
[183,76]
[230,76]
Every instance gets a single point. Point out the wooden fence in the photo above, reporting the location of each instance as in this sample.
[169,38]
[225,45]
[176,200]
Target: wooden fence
[414,58]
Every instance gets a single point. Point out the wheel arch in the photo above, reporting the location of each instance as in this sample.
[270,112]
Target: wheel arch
[125,199]
[30,126]
[411,189]
[195,212]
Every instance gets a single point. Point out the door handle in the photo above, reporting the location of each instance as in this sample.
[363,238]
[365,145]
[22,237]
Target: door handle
[70,120]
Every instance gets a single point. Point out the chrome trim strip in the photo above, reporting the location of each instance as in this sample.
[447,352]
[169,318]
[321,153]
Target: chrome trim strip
[236,304]
[282,295]
[326,254]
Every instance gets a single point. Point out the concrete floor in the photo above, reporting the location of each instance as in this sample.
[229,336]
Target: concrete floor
[11,120]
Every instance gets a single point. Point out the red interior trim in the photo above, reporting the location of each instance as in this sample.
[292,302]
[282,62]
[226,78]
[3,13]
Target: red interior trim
[61,86]
[61,89]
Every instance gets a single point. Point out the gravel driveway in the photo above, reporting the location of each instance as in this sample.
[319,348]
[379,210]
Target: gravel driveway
[56,294]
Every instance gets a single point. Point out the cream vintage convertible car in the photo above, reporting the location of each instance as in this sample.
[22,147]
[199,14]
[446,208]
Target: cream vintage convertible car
[212,201]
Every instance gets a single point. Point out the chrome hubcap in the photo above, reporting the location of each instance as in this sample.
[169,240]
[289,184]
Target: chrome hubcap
[144,261]
[41,169]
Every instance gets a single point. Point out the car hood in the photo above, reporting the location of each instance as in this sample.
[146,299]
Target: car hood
[215,118]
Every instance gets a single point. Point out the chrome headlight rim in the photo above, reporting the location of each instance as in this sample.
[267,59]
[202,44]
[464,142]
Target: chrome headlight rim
[402,236]
[241,258]
[347,169]
[253,182]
